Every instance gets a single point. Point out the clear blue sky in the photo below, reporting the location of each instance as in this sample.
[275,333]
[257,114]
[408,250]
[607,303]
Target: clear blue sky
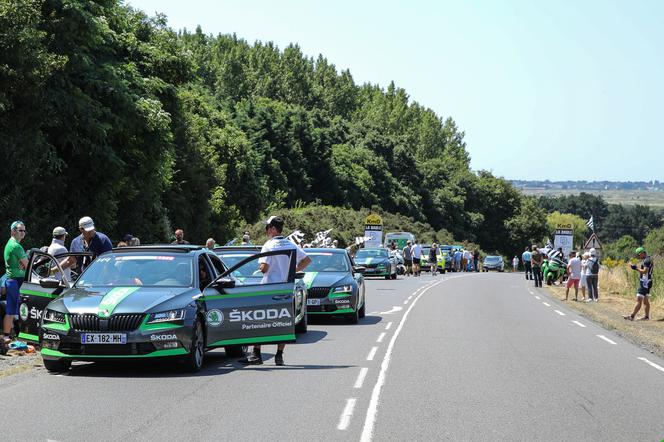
[559,90]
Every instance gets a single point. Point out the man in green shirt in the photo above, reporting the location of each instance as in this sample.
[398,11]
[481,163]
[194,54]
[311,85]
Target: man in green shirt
[16,262]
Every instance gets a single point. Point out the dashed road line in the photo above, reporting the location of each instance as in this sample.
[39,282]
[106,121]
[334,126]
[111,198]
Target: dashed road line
[559,312]
[388,326]
[579,324]
[344,420]
[652,364]
[372,353]
[547,304]
[606,339]
[381,337]
[537,297]
[406,301]
[360,377]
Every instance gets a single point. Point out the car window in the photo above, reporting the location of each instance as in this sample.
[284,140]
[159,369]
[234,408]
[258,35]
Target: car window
[364,253]
[40,268]
[139,270]
[217,264]
[232,258]
[327,262]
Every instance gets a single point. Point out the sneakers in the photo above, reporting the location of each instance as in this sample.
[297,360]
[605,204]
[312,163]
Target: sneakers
[643,318]
[628,317]
[589,300]
[279,359]
[252,360]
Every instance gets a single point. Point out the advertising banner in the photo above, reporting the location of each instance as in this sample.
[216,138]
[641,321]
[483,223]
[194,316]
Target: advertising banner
[373,229]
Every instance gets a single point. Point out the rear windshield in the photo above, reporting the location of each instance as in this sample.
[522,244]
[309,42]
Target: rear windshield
[493,258]
[139,270]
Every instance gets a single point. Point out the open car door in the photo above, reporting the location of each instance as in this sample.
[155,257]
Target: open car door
[44,281]
[240,310]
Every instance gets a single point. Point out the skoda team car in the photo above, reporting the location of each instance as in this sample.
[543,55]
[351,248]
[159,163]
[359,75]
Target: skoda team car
[493,262]
[168,301]
[334,286]
[377,262]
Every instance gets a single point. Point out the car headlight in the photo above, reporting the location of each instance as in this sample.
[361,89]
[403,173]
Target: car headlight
[169,316]
[53,316]
[343,289]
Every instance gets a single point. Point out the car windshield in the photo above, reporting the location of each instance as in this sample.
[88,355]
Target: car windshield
[230,259]
[327,262]
[493,258]
[139,270]
[369,253]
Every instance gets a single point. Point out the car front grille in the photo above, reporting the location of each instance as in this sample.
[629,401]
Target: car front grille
[92,323]
[141,348]
[318,292]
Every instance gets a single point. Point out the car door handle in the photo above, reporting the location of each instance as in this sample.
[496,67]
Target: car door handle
[281,297]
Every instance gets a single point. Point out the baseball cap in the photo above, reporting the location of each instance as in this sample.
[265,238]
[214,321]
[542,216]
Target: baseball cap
[593,252]
[127,237]
[59,231]
[86,224]
[274,221]
[639,250]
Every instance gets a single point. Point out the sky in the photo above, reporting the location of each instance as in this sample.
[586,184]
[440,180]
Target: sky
[562,90]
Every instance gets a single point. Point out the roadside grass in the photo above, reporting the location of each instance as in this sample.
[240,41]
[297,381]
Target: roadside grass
[617,297]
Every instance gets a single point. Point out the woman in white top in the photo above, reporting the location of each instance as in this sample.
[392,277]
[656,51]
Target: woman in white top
[584,268]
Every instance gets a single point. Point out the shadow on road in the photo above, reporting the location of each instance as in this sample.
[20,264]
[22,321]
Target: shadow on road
[336,320]
[311,336]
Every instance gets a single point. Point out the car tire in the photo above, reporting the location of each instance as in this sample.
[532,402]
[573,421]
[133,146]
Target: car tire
[193,362]
[236,351]
[388,276]
[353,318]
[442,271]
[57,366]
[301,327]
[362,311]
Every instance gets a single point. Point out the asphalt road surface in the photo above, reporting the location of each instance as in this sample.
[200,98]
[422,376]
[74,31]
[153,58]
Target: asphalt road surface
[453,357]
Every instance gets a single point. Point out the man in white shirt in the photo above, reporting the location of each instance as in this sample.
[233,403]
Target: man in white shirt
[275,270]
[57,247]
[574,272]
[416,252]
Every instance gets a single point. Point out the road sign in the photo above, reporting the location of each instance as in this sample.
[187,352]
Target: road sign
[564,238]
[373,229]
[593,243]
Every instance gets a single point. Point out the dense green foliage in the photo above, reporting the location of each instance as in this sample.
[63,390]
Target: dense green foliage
[109,113]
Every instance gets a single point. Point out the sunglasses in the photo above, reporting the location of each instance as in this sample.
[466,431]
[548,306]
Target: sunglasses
[22,231]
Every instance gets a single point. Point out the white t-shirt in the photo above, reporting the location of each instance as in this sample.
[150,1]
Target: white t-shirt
[467,255]
[416,251]
[278,265]
[515,262]
[574,268]
[584,267]
[57,247]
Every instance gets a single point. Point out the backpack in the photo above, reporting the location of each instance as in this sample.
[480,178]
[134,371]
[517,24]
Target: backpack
[594,267]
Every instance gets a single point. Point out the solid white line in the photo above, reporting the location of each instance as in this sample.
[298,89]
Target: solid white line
[548,305]
[579,324]
[652,364]
[372,353]
[559,312]
[381,337]
[606,339]
[344,420]
[372,410]
[360,377]
[537,297]
[388,326]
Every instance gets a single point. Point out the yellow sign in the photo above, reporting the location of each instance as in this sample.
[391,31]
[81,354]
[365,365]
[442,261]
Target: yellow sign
[373,220]
[564,226]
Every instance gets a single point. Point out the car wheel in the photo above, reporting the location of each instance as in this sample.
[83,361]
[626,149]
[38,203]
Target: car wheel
[194,360]
[389,276]
[57,366]
[353,318]
[236,351]
[301,327]
[362,312]
[442,271]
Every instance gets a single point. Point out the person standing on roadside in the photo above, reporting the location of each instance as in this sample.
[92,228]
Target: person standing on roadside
[525,257]
[88,241]
[592,276]
[433,259]
[536,260]
[574,272]
[416,251]
[645,284]
[179,237]
[209,244]
[584,271]
[408,259]
[457,260]
[57,247]
[16,261]
[476,260]
[515,263]
[275,270]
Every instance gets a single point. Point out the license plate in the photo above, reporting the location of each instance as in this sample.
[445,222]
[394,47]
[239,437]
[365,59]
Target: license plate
[313,301]
[103,338]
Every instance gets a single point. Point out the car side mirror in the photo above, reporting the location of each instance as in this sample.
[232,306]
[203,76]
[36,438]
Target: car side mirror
[49,283]
[224,283]
[359,269]
[299,275]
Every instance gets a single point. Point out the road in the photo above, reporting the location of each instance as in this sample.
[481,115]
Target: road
[453,357]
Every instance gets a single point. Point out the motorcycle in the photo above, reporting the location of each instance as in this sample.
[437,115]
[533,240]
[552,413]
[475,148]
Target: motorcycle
[553,269]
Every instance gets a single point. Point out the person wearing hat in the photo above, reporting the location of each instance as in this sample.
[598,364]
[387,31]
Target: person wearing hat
[16,261]
[645,284]
[275,270]
[592,276]
[56,248]
[88,241]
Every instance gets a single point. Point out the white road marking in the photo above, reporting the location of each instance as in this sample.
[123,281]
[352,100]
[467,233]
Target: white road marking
[406,301]
[344,420]
[548,305]
[537,297]
[372,410]
[652,364]
[394,310]
[381,337]
[531,292]
[388,326]
[579,324]
[559,312]
[606,339]
[372,353]
[360,377]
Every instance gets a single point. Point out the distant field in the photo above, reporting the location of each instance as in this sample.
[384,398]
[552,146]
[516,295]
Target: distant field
[625,197]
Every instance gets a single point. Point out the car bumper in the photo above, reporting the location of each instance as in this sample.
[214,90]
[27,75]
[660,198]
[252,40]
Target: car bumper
[372,271]
[335,304]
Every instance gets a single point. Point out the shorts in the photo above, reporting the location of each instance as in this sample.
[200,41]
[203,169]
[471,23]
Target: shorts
[408,262]
[13,295]
[642,292]
[416,261]
[583,281]
[573,282]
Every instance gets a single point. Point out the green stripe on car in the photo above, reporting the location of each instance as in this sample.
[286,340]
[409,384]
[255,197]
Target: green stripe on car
[111,300]
[36,293]
[256,340]
[154,354]
[28,336]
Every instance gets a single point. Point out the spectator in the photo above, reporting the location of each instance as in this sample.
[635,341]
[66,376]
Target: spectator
[179,237]
[515,263]
[90,241]
[465,259]
[433,259]
[57,247]
[527,266]
[645,284]
[335,244]
[457,260]
[408,259]
[209,244]
[584,270]
[476,260]
[416,252]
[246,240]
[536,260]
[592,276]
[275,270]
[16,261]
[134,241]
[122,244]
[574,272]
